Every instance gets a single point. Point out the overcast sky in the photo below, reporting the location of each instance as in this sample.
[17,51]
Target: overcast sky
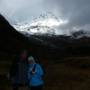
[77,12]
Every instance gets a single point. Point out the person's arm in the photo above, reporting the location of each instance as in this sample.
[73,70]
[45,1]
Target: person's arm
[33,69]
[39,70]
[29,73]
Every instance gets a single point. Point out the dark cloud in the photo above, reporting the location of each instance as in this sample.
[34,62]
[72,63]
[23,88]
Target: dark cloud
[76,11]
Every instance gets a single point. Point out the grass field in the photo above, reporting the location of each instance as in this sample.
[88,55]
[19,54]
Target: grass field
[71,73]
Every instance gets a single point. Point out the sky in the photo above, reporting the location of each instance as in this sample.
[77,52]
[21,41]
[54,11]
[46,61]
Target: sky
[76,12]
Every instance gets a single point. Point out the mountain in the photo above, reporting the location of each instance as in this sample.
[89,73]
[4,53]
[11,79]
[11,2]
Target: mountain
[66,45]
[45,23]
[80,33]
[50,45]
[10,39]
[13,41]
[78,43]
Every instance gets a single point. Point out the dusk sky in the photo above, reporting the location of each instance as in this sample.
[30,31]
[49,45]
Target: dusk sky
[76,12]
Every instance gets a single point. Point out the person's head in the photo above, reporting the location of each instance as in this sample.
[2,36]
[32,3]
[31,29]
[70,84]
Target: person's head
[31,60]
[23,54]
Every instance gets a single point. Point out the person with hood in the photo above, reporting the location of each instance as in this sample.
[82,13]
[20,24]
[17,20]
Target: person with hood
[18,70]
[35,73]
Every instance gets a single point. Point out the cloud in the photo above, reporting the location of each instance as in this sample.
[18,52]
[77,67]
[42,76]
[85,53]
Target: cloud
[77,12]
[20,9]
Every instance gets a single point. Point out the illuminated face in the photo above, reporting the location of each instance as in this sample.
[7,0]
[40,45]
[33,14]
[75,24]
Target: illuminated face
[23,55]
[30,62]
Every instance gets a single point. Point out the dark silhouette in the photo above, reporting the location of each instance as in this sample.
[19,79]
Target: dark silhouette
[18,71]
[10,39]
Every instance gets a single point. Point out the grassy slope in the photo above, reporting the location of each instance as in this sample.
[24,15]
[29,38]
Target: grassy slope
[71,74]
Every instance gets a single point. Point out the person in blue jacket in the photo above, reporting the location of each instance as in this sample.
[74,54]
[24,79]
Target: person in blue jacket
[35,74]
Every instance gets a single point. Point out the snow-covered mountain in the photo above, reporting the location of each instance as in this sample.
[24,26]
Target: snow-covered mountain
[44,24]
[12,41]
[47,24]
[79,34]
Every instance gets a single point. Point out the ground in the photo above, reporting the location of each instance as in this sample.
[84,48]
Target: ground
[70,73]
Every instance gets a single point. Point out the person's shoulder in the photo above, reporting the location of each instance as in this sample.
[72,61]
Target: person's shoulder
[38,65]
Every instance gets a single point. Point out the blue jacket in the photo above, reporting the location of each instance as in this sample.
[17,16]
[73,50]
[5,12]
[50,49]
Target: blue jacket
[36,78]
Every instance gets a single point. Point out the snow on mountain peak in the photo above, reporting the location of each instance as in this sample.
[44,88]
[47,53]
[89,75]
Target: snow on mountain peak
[44,24]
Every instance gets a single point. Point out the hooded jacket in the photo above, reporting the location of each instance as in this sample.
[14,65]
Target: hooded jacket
[35,77]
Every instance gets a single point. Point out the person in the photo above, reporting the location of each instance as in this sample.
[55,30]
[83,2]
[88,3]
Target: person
[35,73]
[18,69]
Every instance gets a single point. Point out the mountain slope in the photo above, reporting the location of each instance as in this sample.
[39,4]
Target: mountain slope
[10,39]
